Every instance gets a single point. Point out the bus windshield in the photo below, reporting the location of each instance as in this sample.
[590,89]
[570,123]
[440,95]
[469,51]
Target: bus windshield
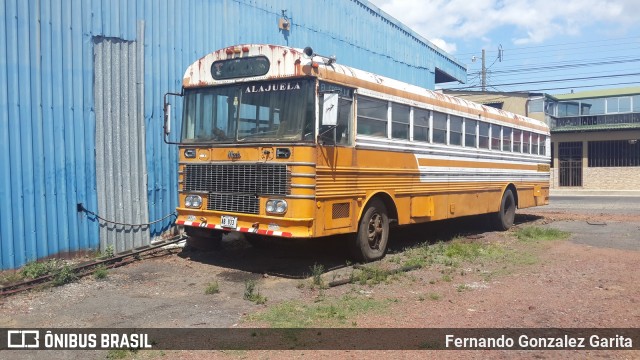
[280,111]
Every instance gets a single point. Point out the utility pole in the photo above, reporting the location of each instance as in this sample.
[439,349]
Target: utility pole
[484,72]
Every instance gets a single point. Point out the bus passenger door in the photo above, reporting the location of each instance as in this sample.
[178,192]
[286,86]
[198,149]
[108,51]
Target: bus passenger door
[336,157]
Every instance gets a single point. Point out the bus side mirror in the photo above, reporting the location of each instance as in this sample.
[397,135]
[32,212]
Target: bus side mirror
[167,118]
[330,109]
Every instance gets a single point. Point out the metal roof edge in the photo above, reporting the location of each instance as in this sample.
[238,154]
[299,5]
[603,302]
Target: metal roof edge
[412,32]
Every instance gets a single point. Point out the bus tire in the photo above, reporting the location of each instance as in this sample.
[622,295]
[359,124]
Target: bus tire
[370,242]
[203,239]
[505,217]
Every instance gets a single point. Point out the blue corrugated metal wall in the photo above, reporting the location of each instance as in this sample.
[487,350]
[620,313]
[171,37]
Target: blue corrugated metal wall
[47,120]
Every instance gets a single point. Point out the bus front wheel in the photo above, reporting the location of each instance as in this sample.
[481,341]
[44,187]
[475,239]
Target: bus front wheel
[504,218]
[370,242]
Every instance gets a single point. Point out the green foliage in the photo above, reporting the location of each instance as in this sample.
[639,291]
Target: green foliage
[108,252]
[316,271]
[329,312]
[64,275]
[252,294]
[35,269]
[212,288]
[535,233]
[100,272]
[372,275]
[121,353]
[11,277]
[434,296]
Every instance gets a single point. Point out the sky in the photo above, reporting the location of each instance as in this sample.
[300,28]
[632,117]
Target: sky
[552,46]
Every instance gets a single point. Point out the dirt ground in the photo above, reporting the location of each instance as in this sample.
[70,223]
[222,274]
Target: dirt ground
[588,280]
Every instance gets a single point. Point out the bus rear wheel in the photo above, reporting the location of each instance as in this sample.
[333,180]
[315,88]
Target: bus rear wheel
[203,239]
[370,242]
[505,217]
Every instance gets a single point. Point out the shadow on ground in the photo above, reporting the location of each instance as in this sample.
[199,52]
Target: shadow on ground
[288,258]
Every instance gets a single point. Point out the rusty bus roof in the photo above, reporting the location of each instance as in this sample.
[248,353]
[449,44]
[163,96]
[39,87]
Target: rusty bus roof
[287,62]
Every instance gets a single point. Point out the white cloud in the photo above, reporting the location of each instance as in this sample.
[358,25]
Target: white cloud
[442,44]
[530,21]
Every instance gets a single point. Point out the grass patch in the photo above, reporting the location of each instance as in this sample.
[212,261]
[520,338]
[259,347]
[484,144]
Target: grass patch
[100,272]
[452,253]
[37,269]
[10,277]
[535,233]
[60,272]
[372,275]
[434,296]
[329,312]
[120,353]
[64,275]
[252,294]
[212,288]
[316,272]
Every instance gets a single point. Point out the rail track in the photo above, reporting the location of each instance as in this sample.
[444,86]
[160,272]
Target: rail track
[87,268]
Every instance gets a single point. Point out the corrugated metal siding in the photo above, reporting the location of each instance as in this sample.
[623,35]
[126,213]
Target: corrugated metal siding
[46,145]
[47,115]
[120,142]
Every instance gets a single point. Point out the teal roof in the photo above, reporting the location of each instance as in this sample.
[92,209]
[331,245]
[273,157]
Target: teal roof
[599,127]
[599,93]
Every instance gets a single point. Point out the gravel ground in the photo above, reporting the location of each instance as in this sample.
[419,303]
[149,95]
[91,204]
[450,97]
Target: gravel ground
[589,280]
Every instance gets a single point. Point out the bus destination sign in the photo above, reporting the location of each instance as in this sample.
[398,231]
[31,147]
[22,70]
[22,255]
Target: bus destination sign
[239,68]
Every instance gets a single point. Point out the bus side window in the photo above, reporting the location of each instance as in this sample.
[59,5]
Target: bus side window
[341,134]
[439,128]
[372,117]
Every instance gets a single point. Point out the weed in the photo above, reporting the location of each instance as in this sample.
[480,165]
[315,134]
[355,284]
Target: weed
[415,261]
[212,288]
[64,275]
[434,296]
[372,275]
[316,271]
[462,287]
[534,233]
[100,272]
[252,294]
[330,312]
[300,285]
[35,269]
[421,298]
[121,353]
[108,252]
[447,278]
[10,277]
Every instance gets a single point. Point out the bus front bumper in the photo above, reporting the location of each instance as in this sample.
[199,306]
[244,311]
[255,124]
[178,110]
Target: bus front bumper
[247,223]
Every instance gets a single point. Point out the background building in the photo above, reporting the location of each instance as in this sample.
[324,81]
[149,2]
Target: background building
[81,86]
[595,135]
[596,140]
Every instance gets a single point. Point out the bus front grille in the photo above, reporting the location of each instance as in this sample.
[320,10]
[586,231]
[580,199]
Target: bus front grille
[248,204]
[236,187]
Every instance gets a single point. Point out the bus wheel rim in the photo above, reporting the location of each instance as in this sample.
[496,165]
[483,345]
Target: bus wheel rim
[374,231]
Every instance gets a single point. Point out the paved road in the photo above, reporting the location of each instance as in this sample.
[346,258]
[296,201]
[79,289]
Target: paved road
[614,204]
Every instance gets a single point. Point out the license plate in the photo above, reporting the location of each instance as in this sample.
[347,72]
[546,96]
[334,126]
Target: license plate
[229,221]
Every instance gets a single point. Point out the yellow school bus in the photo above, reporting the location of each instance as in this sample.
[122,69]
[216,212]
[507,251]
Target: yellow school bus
[282,142]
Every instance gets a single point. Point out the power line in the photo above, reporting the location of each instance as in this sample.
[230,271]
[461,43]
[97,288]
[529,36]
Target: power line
[554,80]
[566,66]
[560,44]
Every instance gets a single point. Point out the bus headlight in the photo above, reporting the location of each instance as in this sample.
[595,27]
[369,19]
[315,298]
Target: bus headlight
[276,206]
[193,201]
